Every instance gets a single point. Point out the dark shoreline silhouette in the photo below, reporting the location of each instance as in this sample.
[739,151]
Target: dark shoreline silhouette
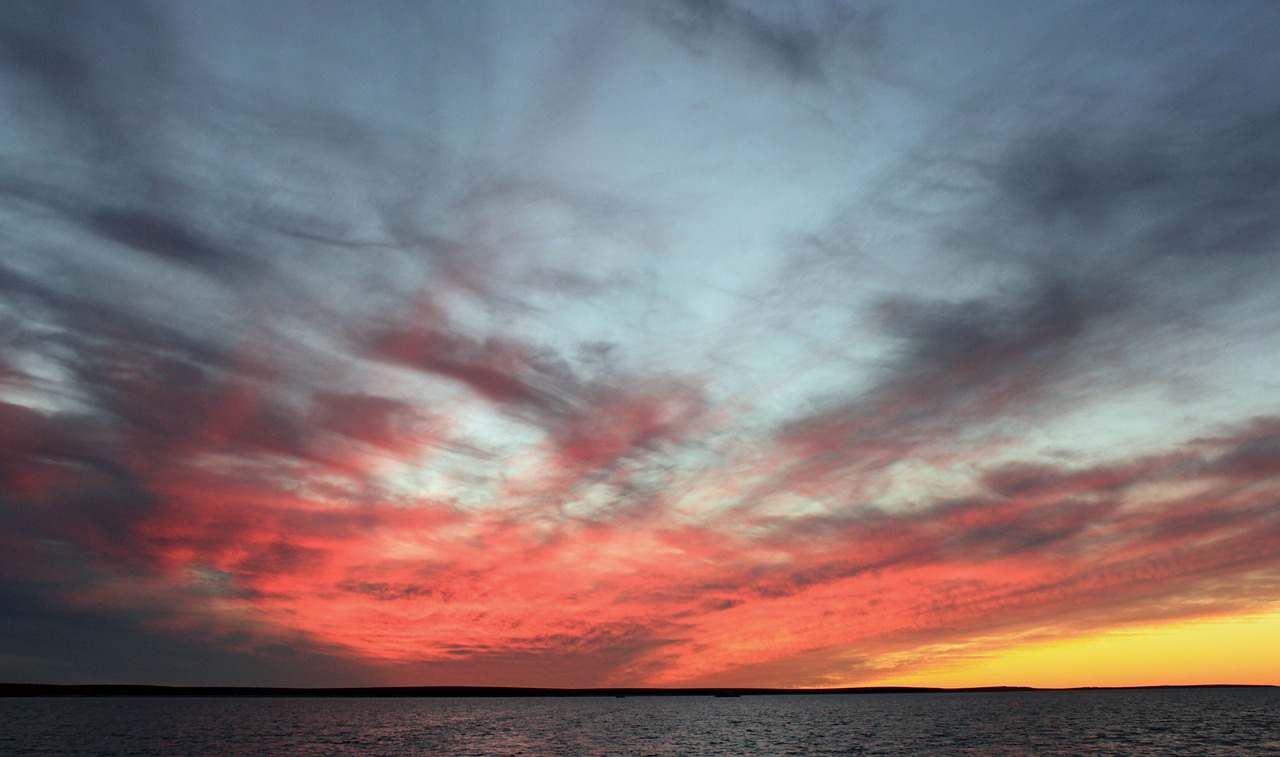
[142,690]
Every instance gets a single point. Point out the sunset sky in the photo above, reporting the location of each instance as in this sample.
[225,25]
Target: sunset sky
[689,343]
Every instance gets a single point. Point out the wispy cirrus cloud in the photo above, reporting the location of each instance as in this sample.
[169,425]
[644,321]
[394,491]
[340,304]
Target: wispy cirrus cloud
[422,369]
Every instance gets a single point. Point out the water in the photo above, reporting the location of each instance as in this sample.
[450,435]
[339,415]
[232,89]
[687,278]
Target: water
[1188,721]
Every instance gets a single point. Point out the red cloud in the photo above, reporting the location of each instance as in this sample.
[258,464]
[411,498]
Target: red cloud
[232,508]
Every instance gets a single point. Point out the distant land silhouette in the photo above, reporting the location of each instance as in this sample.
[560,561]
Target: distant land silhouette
[141,690]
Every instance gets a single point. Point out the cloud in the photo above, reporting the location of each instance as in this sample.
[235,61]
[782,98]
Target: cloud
[1041,543]
[497,370]
[100,67]
[353,377]
[797,50]
[162,237]
[1065,548]
[61,644]
[962,374]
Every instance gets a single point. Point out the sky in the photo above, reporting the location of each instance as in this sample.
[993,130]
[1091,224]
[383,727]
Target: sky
[639,343]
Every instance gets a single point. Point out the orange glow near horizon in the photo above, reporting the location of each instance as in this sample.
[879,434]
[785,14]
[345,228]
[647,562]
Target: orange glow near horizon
[1237,649]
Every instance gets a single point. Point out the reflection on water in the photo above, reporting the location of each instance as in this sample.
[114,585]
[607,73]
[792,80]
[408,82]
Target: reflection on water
[1190,721]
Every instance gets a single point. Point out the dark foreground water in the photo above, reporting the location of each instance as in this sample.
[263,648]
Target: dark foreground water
[1189,721]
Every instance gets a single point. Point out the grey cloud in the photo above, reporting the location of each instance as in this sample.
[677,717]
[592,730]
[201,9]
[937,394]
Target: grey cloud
[500,371]
[279,557]
[47,641]
[595,425]
[797,50]
[385,592]
[1123,179]
[1181,184]
[1078,177]
[1105,228]
[960,369]
[166,238]
[375,420]
[1254,455]
[989,346]
[82,451]
[103,70]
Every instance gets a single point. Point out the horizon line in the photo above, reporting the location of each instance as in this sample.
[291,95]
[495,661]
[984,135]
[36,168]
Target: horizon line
[157,690]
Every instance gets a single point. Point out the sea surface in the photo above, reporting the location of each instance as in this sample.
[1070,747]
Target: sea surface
[1108,722]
